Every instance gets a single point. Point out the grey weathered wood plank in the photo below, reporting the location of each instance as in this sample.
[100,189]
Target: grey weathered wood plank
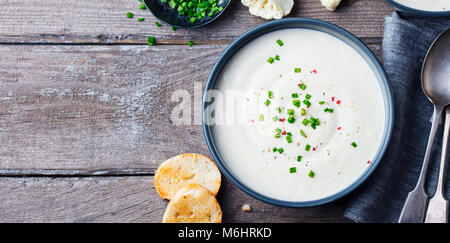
[90,110]
[96,107]
[130,199]
[98,199]
[104,21]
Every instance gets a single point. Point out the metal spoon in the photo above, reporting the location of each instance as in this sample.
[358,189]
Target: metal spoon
[436,85]
[438,207]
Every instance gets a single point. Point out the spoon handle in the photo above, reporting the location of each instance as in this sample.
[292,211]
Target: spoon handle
[417,200]
[438,206]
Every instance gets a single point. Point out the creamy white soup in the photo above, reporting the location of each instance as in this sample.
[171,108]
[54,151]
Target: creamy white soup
[427,5]
[301,117]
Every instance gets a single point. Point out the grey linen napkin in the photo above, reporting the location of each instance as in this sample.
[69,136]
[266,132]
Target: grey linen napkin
[405,44]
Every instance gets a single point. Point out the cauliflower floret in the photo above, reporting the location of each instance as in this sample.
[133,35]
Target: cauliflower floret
[269,9]
[331,4]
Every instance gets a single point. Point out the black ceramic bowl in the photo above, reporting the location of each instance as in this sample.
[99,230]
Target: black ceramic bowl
[409,10]
[301,23]
[166,14]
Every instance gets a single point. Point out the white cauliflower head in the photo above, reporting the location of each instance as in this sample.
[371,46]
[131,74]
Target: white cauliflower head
[269,9]
[330,4]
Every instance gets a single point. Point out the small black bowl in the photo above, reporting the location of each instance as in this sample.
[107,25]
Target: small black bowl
[405,9]
[170,16]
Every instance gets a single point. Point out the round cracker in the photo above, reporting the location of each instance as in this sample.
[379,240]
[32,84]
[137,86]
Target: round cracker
[185,169]
[193,204]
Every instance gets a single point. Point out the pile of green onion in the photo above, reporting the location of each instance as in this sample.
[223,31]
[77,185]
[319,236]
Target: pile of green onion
[195,9]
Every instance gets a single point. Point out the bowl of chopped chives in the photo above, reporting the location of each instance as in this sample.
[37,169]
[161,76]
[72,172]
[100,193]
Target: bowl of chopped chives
[187,13]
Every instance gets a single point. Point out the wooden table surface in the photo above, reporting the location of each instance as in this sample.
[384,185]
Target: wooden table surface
[85,107]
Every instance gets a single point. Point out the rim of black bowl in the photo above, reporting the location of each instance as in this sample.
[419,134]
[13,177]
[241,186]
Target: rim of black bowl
[315,25]
[206,20]
[415,11]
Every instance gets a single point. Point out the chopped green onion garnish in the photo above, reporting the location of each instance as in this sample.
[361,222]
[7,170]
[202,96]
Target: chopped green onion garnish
[290,112]
[308,96]
[291,119]
[311,174]
[303,112]
[293,170]
[307,103]
[294,95]
[190,43]
[329,110]
[267,102]
[302,133]
[261,117]
[299,158]
[354,145]
[277,57]
[142,6]
[280,150]
[321,102]
[158,24]
[275,118]
[274,149]
[130,15]
[151,40]
[297,70]
[270,94]
[195,10]
[174,28]
[289,139]
[308,147]
[302,86]
[278,130]
[277,135]
[280,42]
[296,103]
[305,122]
[279,109]
[141,19]
[314,122]
[270,60]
